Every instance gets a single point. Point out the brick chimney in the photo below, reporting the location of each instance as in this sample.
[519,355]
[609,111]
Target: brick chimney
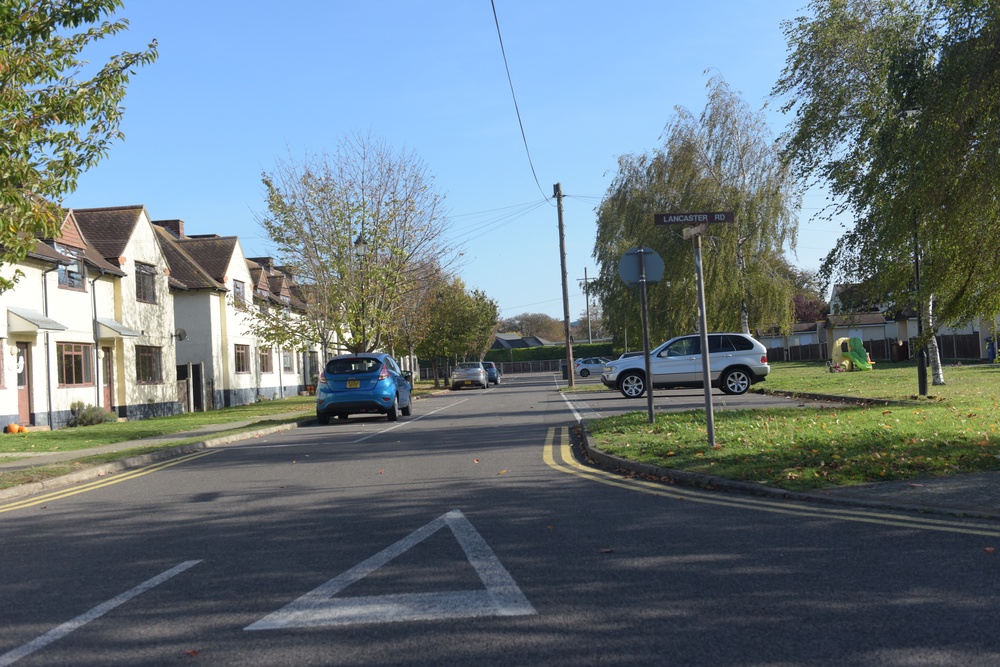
[175,227]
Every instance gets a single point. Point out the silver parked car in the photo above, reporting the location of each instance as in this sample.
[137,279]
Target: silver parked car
[736,361]
[469,374]
[584,367]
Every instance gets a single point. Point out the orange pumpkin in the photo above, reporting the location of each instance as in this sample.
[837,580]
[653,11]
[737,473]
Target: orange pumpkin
[13,428]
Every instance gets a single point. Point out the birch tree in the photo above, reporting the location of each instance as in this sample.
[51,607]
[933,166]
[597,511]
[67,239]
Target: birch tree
[897,111]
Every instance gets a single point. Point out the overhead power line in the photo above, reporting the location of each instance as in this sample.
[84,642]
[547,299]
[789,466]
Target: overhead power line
[510,81]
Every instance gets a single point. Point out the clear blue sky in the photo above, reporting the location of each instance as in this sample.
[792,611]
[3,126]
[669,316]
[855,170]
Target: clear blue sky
[239,85]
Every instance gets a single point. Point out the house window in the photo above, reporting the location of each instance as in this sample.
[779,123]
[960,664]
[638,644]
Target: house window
[71,276]
[147,365]
[75,364]
[266,360]
[145,282]
[242,358]
[287,361]
[239,292]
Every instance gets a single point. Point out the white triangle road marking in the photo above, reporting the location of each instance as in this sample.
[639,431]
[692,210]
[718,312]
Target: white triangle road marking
[499,597]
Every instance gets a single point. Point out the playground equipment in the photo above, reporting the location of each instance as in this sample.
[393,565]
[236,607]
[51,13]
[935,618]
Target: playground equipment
[849,354]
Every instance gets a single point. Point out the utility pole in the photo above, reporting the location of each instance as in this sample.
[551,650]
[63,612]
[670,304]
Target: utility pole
[586,293]
[570,374]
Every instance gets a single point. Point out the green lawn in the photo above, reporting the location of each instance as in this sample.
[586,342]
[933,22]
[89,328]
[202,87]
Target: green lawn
[954,430]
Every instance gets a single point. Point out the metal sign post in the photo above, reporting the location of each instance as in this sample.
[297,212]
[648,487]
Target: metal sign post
[703,326]
[647,267]
[696,224]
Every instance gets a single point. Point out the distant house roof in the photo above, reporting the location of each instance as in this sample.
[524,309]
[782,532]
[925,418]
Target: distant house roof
[109,229]
[797,328]
[72,241]
[504,341]
[185,272]
[855,320]
[212,253]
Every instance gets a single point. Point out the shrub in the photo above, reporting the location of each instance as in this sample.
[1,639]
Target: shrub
[88,415]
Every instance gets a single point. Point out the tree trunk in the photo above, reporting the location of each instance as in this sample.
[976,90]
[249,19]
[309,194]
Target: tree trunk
[933,354]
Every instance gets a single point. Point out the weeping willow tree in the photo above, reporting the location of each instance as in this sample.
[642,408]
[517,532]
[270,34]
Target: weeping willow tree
[725,159]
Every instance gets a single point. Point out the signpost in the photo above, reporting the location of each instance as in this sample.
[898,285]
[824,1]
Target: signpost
[696,224]
[639,266]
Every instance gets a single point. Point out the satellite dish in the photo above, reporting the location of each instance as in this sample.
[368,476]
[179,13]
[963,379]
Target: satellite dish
[181,334]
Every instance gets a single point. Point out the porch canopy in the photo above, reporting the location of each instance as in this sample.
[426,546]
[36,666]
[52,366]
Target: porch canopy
[23,320]
[108,328]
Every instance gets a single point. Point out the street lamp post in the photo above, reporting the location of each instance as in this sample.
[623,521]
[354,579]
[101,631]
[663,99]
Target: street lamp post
[361,251]
[910,117]
[922,350]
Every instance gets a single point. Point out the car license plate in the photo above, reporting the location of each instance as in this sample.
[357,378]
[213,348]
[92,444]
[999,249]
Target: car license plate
[468,382]
[353,384]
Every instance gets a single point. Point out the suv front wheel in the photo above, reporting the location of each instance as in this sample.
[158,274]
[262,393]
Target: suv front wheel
[735,381]
[632,385]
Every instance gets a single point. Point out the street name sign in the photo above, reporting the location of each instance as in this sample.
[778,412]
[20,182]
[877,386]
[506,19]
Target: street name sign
[693,218]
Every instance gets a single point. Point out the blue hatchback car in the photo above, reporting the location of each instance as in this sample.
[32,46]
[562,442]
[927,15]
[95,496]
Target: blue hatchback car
[362,383]
[492,372]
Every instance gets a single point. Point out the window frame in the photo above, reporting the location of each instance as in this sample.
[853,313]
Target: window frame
[266,357]
[65,273]
[145,283]
[239,292]
[148,358]
[82,355]
[242,359]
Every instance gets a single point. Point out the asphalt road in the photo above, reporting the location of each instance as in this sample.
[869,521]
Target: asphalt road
[469,534]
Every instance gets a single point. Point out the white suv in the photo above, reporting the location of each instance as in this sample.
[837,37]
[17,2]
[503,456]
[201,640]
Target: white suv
[735,360]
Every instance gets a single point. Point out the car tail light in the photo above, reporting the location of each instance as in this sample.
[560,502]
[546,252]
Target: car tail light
[763,358]
[383,372]
[322,377]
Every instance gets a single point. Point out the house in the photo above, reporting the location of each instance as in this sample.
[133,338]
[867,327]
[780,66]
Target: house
[275,289]
[143,302]
[216,293]
[887,332]
[507,341]
[217,331]
[88,322]
[806,341]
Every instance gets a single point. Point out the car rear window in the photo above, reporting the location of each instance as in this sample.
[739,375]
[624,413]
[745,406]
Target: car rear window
[740,343]
[353,365]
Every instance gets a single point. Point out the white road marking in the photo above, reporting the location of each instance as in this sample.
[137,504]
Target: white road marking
[500,597]
[100,610]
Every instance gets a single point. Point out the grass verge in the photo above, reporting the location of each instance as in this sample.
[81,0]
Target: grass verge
[957,430]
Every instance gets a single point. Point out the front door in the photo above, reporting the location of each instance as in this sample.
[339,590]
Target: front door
[23,384]
[106,378]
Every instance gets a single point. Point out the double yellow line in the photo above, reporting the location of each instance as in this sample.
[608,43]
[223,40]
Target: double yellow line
[557,441]
[115,478]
